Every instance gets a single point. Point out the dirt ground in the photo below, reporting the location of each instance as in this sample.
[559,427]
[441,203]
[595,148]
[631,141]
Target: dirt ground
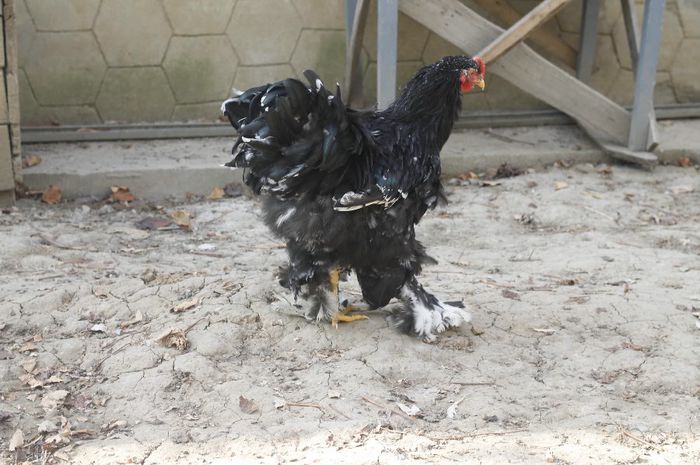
[583,282]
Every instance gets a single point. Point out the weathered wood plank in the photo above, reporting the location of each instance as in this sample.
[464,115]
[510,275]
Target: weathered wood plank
[633,42]
[2,44]
[7,179]
[353,73]
[4,111]
[523,67]
[625,154]
[11,62]
[550,44]
[588,41]
[518,31]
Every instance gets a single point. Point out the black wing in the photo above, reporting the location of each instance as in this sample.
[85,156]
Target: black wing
[294,140]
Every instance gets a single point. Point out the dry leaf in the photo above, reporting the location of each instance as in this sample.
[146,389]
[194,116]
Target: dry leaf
[153,223]
[681,189]
[122,194]
[559,185]
[47,426]
[452,409]
[630,345]
[508,294]
[279,403]
[29,346]
[487,183]
[182,218]
[31,160]
[53,379]
[547,331]
[53,400]
[685,162]
[184,306]
[232,286]
[175,338]
[138,318]
[31,381]
[216,193]
[29,364]
[52,195]
[99,328]
[468,175]
[17,441]
[247,405]
[411,411]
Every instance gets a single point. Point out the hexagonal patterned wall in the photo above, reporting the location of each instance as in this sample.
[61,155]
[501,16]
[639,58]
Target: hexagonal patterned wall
[130,61]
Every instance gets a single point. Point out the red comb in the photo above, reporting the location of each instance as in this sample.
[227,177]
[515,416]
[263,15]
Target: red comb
[482,66]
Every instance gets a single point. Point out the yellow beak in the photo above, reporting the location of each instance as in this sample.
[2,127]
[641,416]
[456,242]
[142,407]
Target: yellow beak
[480,84]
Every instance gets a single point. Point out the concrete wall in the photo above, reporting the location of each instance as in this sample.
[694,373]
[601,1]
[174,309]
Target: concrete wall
[93,61]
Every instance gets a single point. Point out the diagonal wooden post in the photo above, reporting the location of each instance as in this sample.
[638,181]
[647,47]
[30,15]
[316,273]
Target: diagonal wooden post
[354,34]
[523,67]
[518,31]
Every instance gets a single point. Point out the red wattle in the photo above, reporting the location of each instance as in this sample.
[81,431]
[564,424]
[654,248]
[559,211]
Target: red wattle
[464,84]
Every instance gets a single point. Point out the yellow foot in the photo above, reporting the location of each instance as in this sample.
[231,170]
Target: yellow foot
[345,318]
[344,315]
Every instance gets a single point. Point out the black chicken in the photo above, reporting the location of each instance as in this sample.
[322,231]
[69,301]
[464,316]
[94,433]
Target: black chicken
[345,188]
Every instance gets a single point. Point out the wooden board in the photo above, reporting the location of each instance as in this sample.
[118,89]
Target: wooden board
[11,62]
[7,179]
[4,111]
[353,73]
[2,44]
[521,29]
[523,67]
[545,40]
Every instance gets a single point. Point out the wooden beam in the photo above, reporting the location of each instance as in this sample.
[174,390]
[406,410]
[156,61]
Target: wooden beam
[387,51]
[625,154]
[550,44]
[633,42]
[523,67]
[588,41]
[518,31]
[353,73]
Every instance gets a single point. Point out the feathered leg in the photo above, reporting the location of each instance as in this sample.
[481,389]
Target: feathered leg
[343,311]
[325,303]
[423,314]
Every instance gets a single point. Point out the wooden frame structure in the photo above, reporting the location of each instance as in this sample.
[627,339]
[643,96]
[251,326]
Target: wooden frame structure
[623,134]
[10,147]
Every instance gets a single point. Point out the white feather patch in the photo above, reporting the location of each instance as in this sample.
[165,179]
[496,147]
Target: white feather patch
[285,216]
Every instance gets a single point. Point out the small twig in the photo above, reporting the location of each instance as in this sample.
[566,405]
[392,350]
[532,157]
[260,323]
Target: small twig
[304,404]
[494,283]
[473,384]
[600,213]
[51,276]
[339,412]
[207,254]
[473,435]
[53,243]
[639,440]
[388,409]
[114,352]
[189,328]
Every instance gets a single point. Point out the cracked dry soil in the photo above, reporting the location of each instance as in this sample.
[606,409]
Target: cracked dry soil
[584,284]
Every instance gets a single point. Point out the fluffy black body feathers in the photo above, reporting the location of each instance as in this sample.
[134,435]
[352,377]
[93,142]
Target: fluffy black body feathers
[345,188]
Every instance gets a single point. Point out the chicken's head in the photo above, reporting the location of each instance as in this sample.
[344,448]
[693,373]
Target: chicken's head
[473,75]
